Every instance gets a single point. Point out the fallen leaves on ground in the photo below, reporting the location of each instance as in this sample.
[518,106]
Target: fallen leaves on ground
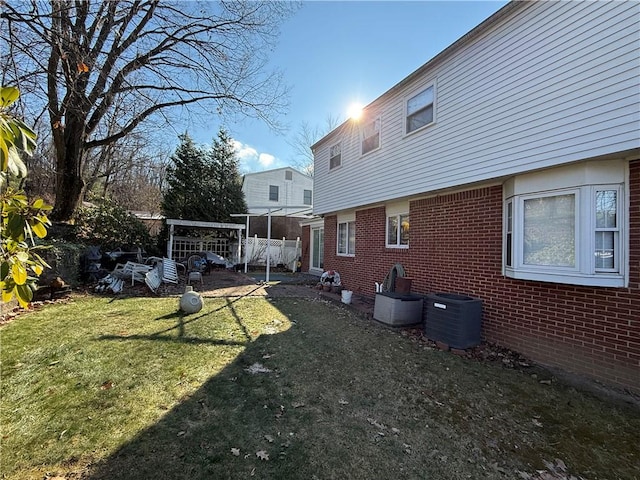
[107,385]
[556,470]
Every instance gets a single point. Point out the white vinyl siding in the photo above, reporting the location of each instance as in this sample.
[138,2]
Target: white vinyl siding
[549,83]
[256,189]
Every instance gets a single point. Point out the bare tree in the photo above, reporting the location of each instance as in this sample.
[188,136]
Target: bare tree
[83,58]
[304,138]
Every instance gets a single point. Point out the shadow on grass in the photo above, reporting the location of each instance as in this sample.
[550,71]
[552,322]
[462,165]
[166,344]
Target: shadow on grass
[344,398]
[182,320]
[234,409]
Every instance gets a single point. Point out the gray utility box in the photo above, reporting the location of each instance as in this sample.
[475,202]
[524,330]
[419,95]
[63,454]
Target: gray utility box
[453,319]
[398,310]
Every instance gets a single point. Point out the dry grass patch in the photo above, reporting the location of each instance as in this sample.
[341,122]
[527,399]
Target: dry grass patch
[280,388]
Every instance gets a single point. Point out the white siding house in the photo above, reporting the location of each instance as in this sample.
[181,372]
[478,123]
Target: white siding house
[280,189]
[506,168]
[289,195]
[538,84]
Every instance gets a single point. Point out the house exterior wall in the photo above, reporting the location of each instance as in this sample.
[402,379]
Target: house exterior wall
[290,192]
[545,84]
[456,246]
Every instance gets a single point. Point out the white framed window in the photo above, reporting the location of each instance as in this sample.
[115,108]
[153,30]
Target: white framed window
[335,156]
[508,234]
[419,109]
[571,236]
[274,193]
[307,197]
[607,229]
[347,238]
[398,231]
[370,136]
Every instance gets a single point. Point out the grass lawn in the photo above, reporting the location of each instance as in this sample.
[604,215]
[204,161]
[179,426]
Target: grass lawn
[104,388]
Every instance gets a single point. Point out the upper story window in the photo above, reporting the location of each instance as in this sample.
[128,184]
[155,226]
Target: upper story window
[307,197]
[288,175]
[371,136]
[335,156]
[398,231]
[274,191]
[419,110]
[571,235]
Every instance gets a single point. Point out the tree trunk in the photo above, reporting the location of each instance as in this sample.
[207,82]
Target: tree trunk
[69,182]
[69,189]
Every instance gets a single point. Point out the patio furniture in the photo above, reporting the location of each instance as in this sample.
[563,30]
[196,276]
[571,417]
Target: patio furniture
[195,267]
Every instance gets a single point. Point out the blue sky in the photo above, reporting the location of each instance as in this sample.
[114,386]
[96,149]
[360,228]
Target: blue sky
[334,53]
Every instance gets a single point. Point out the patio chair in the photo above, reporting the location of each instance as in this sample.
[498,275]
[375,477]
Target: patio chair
[195,266]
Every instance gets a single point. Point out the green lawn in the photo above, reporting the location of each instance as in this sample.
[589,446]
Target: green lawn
[128,388]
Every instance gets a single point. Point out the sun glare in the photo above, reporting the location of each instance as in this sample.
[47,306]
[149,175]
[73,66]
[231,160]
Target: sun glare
[354,111]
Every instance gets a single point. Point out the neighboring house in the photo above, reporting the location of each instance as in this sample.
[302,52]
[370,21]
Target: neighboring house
[287,192]
[153,221]
[506,168]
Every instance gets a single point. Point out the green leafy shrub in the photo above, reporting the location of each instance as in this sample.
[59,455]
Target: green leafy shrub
[64,258]
[111,226]
[21,219]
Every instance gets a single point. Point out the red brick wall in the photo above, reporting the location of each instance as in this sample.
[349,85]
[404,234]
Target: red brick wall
[456,246]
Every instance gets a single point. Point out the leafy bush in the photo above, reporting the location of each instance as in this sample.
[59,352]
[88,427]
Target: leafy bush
[21,220]
[64,258]
[111,226]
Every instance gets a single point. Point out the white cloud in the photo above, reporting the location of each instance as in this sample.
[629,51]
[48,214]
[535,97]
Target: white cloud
[266,160]
[244,152]
[253,161]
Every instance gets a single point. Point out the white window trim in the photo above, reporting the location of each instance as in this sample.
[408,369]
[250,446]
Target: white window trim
[304,190]
[338,144]
[277,193]
[348,253]
[362,137]
[312,269]
[398,233]
[408,97]
[584,271]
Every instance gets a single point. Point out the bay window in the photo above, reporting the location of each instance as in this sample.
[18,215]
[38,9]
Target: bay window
[568,236]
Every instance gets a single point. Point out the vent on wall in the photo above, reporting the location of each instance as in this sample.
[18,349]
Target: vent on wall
[288,175]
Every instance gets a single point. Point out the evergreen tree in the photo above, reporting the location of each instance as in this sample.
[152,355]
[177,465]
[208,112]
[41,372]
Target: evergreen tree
[229,197]
[204,185]
[189,194]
